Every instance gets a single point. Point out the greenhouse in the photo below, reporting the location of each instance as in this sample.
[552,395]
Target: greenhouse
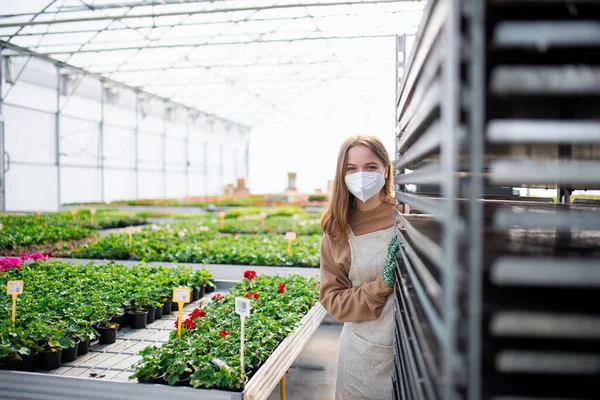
[303,199]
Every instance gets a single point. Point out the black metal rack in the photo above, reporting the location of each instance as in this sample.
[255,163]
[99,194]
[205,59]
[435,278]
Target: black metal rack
[495,293]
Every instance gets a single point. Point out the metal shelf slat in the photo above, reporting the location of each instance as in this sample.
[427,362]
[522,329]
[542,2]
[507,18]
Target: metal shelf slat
[435,322]
[546,34]
[546,271]
[427,246]
[428,206]
[573,173]
[428,175]
[428,142]
[433,20]
[545,80]
[543,131]
[554,219]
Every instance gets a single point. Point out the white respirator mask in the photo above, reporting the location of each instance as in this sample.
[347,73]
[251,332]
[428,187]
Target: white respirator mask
[364,185]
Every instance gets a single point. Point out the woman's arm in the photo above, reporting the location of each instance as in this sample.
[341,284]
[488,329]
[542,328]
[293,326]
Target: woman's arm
[340,299]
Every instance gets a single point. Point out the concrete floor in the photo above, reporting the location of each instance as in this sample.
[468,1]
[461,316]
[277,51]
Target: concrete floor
[312,376]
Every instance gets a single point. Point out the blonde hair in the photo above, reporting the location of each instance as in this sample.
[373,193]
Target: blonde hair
[335,219]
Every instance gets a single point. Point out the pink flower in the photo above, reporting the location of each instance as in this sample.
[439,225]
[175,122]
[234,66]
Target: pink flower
[3,268]
[223,333]
[36,256]
[24,256]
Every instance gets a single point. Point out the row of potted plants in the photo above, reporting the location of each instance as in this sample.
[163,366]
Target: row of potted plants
[208,353]
[63,306]
[190,242]
[21,231]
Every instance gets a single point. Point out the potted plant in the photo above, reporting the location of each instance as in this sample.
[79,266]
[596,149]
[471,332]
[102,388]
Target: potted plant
[107,332]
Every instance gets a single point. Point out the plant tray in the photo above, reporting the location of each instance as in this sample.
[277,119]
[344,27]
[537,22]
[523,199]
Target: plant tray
[34,385]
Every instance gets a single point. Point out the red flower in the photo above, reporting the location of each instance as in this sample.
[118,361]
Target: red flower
[217,297]
[249,274]
[251,294]
[197,313]
[223,333]
[187,324]
[281,287]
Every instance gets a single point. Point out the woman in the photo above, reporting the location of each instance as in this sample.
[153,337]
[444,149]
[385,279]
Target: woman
[356,271]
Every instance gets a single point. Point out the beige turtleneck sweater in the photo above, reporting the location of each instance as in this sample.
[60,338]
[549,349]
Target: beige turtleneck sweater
[340,299]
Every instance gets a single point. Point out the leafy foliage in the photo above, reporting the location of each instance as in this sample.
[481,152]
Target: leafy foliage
[215,333]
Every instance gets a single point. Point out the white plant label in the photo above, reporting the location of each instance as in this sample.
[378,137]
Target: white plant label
[14,287]
[263,214]
[220,363]
[290,235]
[181,294]
[242,306]
[295,217]
[221,214]
[92,211]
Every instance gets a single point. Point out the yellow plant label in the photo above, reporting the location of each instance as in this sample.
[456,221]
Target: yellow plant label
[14,287]
[181,294]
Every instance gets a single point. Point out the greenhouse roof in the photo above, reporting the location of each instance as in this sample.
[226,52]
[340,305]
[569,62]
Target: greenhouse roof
[241,60]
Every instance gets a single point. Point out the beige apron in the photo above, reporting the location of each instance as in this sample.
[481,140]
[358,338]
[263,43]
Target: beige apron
[364,367]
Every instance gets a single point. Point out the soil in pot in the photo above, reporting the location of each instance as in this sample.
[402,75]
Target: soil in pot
[107,333]
[83,348]
[158,312]
[167,307]
[27,363]
[48,360]
[70,354]
[150,316]
[138,319]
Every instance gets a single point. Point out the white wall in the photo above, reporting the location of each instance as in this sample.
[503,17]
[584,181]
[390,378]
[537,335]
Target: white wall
[100,140]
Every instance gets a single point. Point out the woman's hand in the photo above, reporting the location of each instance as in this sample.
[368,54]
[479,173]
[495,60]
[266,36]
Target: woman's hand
[388,274]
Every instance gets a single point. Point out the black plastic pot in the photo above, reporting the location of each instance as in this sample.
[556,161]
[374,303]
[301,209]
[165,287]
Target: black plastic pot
[202,291]
[210,289]
[150,316]
[126,320]
[158,311]
[174,306]
[70,354]
[108,334]
[167,307]
[83,348]
[27,363]
[117,319]
[9,365]
[195,293]
[182,382]
[158,379]
[48,360]
[138,319]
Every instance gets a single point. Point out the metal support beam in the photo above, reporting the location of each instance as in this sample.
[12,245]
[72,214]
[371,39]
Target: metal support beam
[137,144]
[101,142]
[57,136]
[205,167]
[164,151]
[213,11]
[187,154]
[3,152]
[229,43]
[475,222]
[450,114]
[201,23]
